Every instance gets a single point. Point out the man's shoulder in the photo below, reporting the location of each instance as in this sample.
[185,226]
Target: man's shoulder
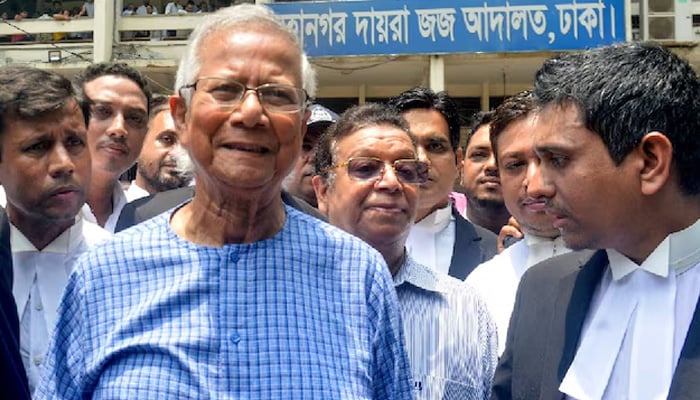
[317,229]
[427,279]
[551,270]
[94,234]
[468,231]
[500,263]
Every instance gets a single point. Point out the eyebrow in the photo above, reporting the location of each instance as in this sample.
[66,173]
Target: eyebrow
[479,147]
[111,103]
[551,148]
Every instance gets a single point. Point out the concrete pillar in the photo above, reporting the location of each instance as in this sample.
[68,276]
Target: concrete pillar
[362,94]
[437,73]
[103,36]
[485,94]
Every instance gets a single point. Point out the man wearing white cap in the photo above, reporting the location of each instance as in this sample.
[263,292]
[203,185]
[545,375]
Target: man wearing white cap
[298,182]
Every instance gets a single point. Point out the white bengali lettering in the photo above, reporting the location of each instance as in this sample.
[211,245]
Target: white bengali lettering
[382,26]
[329,25]
[442,18]
[587,15]
[503,20]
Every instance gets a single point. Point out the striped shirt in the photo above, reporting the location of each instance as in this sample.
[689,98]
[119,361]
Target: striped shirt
[307,314]
[450,337]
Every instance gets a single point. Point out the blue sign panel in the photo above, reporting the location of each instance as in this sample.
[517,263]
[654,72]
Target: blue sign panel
[341,28]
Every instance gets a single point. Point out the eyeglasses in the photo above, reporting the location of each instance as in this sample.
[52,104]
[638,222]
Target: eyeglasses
[407,171]
[274,97]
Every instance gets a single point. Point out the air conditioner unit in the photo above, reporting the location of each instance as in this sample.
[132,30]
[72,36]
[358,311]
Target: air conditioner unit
[662,28]
[666,20]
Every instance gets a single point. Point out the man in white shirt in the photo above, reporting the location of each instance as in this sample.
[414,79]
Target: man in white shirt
[144,8]
[441,238]
[45,171]
[367,180]
[117,97]
[173,8]
[162,164]
[618,142]
[512,134]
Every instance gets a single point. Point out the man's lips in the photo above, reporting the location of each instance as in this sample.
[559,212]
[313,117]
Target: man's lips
[115,148]
[254,148]
[490,182]
[534,205]
[65,192]
[387,207]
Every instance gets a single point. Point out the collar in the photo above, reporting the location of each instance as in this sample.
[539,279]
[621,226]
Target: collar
[420,276]
[118,202]
[532,240]
[679,251]
[135,192]
[61,245]
[437,220]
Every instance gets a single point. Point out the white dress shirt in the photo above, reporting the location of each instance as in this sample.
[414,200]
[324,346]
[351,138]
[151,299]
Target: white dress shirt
[39,280]
[118,202]
[634,332]
[135,192]
[431,241]
[450,338]
[497,279]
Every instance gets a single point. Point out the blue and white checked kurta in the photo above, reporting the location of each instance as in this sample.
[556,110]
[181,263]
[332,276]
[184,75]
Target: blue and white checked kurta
[310,313]
[451,340]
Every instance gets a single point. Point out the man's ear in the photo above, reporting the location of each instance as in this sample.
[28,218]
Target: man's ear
[459,165]
[178,110]
[321,190]
[656,152]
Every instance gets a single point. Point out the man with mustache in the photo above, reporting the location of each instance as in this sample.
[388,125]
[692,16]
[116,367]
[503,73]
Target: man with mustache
[482,186]
[441,238]
[117,97]
[162,164]
[367,180]
[512,135]
[618,141]
[45,172]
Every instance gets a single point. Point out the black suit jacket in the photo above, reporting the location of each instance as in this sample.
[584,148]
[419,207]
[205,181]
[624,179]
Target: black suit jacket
[145,208]
[13,379]
[545,328]
[473,245]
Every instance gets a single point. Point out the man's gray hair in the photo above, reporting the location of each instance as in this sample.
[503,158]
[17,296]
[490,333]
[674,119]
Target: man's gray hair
[230,17]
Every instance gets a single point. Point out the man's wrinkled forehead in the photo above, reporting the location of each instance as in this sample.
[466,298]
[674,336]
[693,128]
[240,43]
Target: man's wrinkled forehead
[251,28]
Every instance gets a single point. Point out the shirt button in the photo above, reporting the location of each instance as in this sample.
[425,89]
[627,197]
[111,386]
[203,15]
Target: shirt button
[38,307]
[38,361]
[235,337]
[233,257]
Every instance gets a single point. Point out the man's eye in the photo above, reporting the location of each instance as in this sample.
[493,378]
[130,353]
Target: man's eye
[225,91]
[167,140]
[38,147]
[557,161]
[101,112]
[436,147]
[137,119]
[512,166]
[478,156]
[75,141]
[279,95]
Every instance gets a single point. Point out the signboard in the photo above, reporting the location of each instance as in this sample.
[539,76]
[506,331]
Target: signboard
[383,27]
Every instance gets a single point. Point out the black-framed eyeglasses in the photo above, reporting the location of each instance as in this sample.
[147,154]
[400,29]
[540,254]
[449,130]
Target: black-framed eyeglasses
[408,171]
[274,97]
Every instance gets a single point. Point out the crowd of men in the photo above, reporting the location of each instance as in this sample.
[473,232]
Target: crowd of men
[271,248]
